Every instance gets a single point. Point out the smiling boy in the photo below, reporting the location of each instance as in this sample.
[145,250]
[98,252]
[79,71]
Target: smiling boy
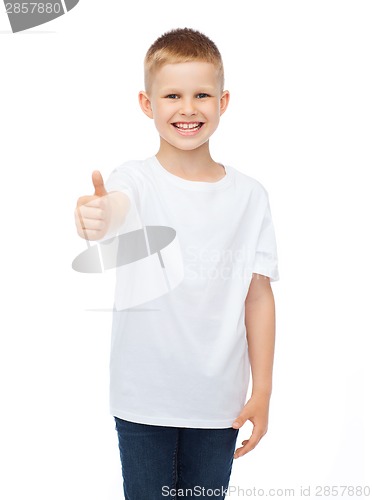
[180,365]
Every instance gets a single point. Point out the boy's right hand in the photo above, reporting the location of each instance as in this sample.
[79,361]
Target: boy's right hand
[92,213]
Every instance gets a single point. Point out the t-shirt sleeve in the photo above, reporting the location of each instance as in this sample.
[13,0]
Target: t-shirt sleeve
[121,180]
[266,258]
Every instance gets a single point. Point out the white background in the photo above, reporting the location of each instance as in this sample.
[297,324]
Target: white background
[299,121]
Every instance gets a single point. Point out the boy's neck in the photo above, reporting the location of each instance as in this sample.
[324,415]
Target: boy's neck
[196,164]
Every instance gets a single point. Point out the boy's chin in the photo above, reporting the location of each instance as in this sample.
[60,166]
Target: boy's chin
[184,147]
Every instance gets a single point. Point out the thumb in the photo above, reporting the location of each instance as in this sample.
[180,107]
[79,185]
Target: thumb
[241,419]
[99,186]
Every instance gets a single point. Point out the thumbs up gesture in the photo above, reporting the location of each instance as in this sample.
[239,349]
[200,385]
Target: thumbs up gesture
[92,212]
[100,213]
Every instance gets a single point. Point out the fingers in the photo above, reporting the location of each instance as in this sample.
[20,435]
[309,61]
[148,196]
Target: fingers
[251,443]
[95,224]
[89,229]
[99,186]
[90,211]
[91,219]
[91,208]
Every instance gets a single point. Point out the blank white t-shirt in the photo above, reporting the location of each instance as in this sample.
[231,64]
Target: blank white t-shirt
[180,358]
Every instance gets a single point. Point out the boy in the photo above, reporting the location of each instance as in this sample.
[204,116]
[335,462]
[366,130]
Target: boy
[180,361]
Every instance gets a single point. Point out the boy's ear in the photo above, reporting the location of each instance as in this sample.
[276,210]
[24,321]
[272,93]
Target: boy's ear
[224,101]
[145,103]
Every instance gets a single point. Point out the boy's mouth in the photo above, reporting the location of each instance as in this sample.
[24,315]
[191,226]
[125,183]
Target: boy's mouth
[188,126]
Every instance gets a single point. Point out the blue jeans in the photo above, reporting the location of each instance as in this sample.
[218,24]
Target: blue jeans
[158,462]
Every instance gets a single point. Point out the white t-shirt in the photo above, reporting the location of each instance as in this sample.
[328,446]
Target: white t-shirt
[179,355]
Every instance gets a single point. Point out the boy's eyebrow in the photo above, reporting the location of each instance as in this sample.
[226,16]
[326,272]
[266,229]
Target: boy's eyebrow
[175,90]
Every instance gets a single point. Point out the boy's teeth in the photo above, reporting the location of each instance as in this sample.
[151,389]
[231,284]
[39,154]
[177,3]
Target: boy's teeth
[187,125]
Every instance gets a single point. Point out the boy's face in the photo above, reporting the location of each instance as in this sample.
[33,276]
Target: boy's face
[186,102]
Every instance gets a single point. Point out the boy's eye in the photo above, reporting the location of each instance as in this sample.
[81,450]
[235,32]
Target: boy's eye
[201,95]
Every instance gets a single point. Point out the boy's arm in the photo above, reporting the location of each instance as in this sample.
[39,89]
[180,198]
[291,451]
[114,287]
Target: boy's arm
[260,326]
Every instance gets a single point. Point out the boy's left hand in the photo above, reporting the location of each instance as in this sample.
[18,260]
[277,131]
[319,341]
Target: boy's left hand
[256,410]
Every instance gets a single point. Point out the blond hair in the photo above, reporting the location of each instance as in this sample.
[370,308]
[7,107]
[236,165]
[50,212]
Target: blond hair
[179,46]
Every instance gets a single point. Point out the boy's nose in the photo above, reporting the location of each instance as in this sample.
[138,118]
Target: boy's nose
[187,108]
